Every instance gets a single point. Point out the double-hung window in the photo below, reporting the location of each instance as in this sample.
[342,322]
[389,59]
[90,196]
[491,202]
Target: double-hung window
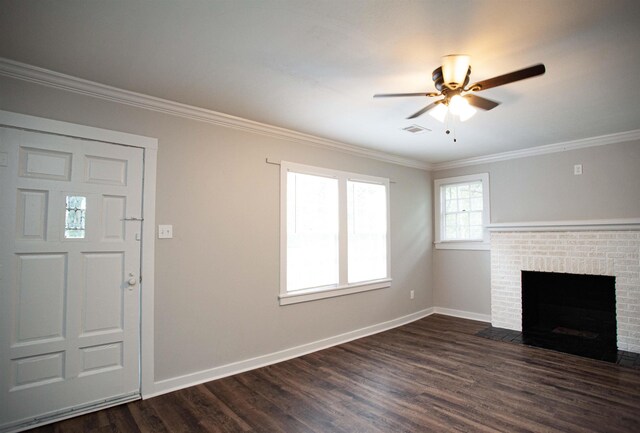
[334,233]
[462,212]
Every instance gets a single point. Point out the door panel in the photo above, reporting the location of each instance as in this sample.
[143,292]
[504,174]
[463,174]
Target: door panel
[40,293]
[37,370]
[31,215]
[69,274]
[45,164]
[104,357]
[113,215]
[107,171]
[102,306]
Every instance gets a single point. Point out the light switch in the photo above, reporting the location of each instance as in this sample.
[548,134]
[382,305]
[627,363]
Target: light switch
[577,169]
[165,231]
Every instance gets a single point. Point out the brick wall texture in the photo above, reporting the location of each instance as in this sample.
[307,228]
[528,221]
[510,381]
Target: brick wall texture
[615,253]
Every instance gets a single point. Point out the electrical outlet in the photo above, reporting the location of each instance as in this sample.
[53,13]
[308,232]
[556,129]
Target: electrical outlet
[577,169]
[412,294]
[165,231]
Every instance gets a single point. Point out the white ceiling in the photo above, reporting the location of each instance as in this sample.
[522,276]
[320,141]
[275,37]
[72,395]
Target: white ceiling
[313,65]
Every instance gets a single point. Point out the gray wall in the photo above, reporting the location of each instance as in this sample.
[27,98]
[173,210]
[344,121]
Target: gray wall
[540,188]
[217,280]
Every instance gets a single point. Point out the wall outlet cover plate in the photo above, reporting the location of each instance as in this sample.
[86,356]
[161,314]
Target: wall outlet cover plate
[165,231]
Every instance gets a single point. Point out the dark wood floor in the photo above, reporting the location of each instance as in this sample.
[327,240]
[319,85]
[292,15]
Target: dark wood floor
[430,375]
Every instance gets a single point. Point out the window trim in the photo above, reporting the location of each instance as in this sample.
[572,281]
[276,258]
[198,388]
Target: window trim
[438,208]
[293,297]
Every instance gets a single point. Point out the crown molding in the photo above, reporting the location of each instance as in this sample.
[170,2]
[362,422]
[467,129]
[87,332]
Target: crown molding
[619,137]
[46,77]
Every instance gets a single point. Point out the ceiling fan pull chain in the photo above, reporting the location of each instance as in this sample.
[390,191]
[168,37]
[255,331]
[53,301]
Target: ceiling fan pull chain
[451,120]
[454,129]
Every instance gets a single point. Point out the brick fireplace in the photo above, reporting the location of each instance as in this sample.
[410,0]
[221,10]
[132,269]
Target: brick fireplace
[566,249]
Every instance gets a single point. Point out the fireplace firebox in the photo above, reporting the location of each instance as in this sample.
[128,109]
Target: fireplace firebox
[570,313]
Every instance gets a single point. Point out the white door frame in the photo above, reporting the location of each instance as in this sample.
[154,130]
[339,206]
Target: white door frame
[150,146]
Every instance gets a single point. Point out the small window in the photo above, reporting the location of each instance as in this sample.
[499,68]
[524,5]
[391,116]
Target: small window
[75,216]
[335,233]
[462,212]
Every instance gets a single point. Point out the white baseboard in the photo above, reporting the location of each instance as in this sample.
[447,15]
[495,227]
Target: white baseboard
[462,314]
[187,380]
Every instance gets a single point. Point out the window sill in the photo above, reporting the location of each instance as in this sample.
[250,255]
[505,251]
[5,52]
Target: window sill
[462,245]
[315,294]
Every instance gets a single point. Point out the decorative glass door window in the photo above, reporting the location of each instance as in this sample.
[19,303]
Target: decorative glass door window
[75,215]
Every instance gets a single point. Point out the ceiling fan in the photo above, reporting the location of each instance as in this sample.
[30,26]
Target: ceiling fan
[458,97]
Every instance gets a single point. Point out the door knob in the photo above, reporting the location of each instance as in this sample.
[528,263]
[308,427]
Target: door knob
[132,280]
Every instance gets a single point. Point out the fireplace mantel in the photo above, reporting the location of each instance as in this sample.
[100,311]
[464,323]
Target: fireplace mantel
[567,226]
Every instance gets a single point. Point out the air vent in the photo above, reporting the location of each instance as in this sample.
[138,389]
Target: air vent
[416,129]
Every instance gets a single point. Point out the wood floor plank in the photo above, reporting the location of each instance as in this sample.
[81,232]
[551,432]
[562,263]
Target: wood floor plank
[434,374]
[147,419]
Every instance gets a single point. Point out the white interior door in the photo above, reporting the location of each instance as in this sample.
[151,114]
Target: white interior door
[69,275]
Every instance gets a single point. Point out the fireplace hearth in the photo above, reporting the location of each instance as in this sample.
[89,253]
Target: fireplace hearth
[570,313]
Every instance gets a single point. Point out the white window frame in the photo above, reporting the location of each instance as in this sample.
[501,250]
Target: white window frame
[343,287]
[440,242]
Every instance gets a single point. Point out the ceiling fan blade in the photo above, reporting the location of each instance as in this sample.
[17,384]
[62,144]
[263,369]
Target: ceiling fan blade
[394,95]
[511,77]
[424,110]
[479,102]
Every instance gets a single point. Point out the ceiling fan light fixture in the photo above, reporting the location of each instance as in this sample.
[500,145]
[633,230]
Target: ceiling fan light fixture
[454,70]
[467,112]
[460,107]
[457,104]
[439,112]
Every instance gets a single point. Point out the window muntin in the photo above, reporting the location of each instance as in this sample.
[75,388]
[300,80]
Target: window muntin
[461,208]
[335,235]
